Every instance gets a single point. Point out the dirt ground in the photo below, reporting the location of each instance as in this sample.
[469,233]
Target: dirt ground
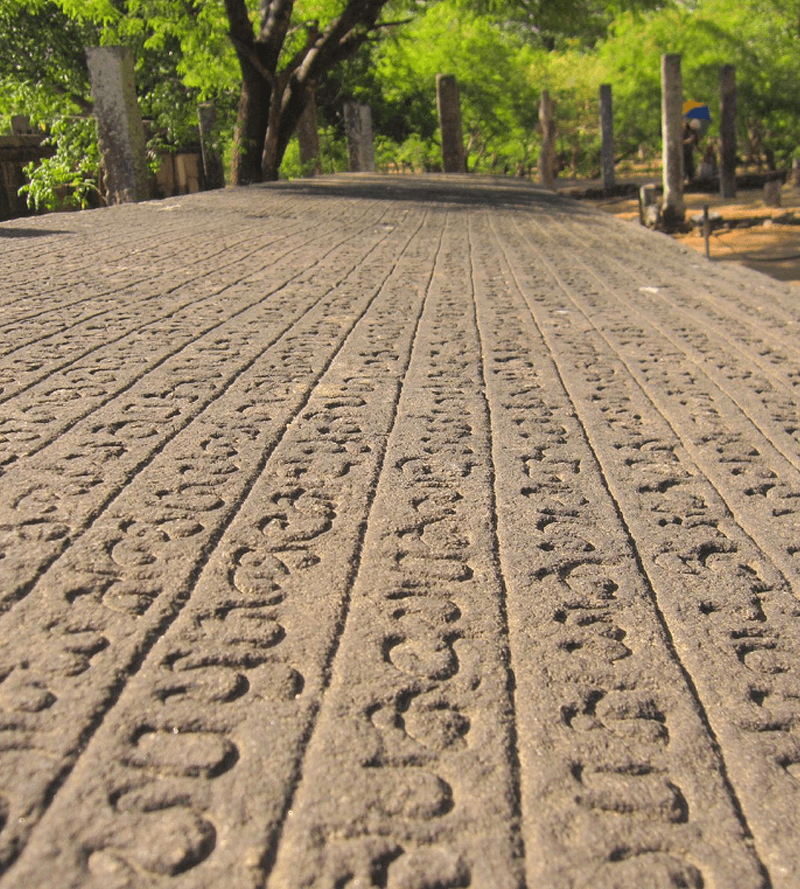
[771,247]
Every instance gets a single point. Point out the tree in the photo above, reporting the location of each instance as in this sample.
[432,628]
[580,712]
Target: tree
[43,74]
[41,59]
[759,37]
[281,64]
[498,105]
[268,56]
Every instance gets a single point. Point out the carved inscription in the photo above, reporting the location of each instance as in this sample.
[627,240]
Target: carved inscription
[718,593]
[189,750]
[413,749]
[349,539]
[605,783]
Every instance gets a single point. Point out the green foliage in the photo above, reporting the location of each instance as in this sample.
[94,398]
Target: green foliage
[412,155]
[503,53]
[68,179]
[333,156]
[497,104]
[43,74]
[42,63]
[193,34]
[43,68]
[763,47]
[102,11]
[502,67]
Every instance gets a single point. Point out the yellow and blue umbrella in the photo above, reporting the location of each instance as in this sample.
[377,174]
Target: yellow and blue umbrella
[698,116]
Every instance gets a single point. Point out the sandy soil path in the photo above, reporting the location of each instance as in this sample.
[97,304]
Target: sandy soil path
[422,533]
[747,232]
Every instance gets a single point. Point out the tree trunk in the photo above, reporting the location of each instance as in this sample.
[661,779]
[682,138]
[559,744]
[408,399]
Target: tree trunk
[251,127]
[272,102]
[281,127]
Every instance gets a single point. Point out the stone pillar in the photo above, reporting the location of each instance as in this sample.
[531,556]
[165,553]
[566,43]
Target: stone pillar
[308,137]
[607,135]
[449,105]
[213,173]
[119,123]
[358,123]
[672,208]
[727,173]
[772,193]
[547,156]
[649,212]
[21,125]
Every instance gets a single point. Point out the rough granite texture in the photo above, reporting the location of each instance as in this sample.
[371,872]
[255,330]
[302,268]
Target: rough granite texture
[120,133]
[394,532]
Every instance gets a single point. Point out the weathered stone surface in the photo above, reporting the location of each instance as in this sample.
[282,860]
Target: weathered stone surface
[358,125]
[397,533]
[448,104]
[120,133]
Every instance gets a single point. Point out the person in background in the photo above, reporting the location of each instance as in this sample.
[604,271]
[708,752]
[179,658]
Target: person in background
[691,143]
[696,121]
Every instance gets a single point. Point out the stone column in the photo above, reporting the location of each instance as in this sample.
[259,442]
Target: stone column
[119,123]
[772,193]
[213,173]
[449,106]
[358,123]
[672,208]
[727,173]
[547,156]
[308,138]
[20,125]
[607,135]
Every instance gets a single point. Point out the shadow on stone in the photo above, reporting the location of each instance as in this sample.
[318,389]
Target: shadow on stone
[30,232]
[450,190]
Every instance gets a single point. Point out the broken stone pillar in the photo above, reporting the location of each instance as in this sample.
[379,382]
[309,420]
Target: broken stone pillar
[727,174]
[449,106]
[358,123]
[607,135]
[213,173]
[649,211]
[672,207]
[119,123]
[547,156]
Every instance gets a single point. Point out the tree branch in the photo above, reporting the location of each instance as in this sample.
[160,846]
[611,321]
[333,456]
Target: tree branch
[239,21]
[340,40]
[312,35]
[86,107]
[276,16]
[399,22]
[248,52]
[276,20]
